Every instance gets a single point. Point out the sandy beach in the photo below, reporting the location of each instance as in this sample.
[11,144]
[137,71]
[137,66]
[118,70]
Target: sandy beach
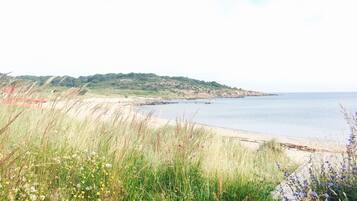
[298,149]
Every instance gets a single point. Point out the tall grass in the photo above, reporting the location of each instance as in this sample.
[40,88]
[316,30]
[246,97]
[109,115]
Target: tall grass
[69,149]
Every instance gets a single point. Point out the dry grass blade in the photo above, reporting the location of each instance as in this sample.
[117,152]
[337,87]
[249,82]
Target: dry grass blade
[30,88]
[48,81]
[7,157]
[3,129]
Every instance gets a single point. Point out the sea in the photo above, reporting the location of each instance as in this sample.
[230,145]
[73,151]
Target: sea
[298,115]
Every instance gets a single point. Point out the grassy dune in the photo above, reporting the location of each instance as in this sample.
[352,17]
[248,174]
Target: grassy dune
[46,153]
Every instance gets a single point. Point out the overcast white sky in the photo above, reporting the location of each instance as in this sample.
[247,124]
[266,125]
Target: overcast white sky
[268,45]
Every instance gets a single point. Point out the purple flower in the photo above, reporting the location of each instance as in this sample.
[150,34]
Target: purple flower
[280,189]
[326,196]
[302,194]
[350,141]
[286,174]
[306,183]
[314,194]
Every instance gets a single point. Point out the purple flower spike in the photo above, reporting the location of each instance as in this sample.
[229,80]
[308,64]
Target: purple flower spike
[306,183]
[286,174]
[314,194]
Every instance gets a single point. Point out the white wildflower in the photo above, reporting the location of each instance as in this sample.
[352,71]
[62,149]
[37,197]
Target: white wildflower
[57,160]
[33,197]
[108,165]
[33,189]
[27,188]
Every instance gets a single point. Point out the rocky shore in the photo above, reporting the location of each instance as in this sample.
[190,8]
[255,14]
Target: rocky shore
[198,96]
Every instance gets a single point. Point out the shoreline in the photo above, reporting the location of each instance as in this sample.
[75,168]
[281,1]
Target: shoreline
[298,149]
[176,100]
[262,136]
[286,141]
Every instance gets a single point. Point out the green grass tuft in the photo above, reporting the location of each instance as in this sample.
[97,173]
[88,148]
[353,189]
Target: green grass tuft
[69,150]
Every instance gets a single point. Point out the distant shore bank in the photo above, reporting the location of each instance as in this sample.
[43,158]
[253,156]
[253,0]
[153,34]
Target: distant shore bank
[176,100]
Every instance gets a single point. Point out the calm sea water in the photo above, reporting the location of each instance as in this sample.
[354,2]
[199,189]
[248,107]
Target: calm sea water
[316,115]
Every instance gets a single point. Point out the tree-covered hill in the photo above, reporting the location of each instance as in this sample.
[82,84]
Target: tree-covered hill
[142,82]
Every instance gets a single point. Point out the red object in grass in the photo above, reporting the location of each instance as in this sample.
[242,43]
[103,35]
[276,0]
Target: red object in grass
[25,102]
[8,90]
[19,101]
